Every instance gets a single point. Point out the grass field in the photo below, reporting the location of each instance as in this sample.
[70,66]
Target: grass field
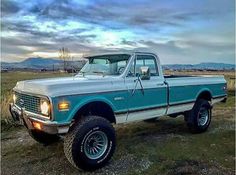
[9,80]
[161,147]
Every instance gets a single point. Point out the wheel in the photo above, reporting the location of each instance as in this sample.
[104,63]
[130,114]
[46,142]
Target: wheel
[199,118]
[43,137]
[90,143]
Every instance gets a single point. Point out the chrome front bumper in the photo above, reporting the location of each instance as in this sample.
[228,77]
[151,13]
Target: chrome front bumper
[25,118]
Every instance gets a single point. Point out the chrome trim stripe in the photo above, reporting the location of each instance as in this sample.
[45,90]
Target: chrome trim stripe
[91,93]
[163,106]
[182,103]
[140,110]
[48,122]
[196,84]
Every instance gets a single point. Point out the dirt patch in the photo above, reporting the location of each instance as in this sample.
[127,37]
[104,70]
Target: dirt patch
[22,155]
[187,167]
[124,165]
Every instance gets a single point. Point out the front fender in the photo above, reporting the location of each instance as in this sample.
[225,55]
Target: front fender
[88,100]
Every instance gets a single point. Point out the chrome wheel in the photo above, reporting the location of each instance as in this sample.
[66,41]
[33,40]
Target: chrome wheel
[95,144]
[203,116]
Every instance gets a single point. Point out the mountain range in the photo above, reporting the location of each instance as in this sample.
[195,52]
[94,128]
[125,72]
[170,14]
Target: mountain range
[201,66]
[39,63]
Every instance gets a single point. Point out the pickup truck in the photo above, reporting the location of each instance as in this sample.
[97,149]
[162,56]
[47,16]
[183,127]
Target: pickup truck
[111,89]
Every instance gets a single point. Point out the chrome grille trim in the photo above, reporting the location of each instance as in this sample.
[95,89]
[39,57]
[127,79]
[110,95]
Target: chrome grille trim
[28,102]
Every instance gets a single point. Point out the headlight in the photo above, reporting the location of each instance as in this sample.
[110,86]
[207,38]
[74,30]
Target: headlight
[44,106]
[14,98]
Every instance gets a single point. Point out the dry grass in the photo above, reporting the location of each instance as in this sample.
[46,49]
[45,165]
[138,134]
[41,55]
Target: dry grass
[9,80]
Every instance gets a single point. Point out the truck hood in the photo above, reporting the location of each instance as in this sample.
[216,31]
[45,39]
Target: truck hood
[67,85]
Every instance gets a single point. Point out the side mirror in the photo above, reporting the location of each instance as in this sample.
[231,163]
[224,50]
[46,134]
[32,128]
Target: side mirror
[145,73]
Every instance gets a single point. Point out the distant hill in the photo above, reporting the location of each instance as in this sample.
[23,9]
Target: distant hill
[39,63]
[201,66]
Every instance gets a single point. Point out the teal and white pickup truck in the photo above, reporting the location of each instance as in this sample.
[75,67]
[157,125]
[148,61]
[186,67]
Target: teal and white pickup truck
[111,89]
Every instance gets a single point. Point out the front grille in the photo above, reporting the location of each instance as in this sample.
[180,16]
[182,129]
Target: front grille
[29,102]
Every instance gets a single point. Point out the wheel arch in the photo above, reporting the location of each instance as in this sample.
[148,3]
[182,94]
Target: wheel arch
[95,106]
[204,94]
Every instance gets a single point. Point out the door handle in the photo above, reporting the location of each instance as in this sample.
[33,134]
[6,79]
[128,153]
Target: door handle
[160,84]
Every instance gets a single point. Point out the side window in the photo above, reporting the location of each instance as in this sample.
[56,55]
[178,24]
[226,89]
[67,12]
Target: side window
[146,60]
[121,66]
[138,65]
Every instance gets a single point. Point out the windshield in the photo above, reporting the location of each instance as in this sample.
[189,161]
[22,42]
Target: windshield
[105,65]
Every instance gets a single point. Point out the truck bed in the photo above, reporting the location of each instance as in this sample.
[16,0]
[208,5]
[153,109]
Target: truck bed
[185,89]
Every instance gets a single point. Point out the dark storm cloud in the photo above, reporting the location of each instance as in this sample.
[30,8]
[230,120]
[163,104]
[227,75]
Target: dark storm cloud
[100,25]
[116,14]
[9,7]
[25,28]
[113,14]
[130,43]
[129,13]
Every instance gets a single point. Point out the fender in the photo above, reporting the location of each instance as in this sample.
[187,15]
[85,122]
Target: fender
[88,100]
[204,90]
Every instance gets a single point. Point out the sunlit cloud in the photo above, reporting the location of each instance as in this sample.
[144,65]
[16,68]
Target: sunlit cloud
[178,31]
[28,48]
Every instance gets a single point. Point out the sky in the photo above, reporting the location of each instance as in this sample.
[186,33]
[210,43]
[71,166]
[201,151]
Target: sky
[178,31]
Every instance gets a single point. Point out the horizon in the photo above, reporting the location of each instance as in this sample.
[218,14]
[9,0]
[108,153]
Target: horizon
[180,32]
[80,59]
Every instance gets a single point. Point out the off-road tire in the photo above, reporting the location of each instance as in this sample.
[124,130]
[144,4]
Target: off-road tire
[75,142]
[43,138]
[192,117]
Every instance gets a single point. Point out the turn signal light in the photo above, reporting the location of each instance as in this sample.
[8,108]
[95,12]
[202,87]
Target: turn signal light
[63,106]
[37,125]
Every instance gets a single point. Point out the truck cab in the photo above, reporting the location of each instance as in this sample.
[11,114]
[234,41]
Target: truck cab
[146,87]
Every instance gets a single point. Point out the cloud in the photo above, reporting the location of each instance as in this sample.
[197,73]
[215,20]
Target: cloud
[9,7]
[116,15]
[130,43]
[190,31]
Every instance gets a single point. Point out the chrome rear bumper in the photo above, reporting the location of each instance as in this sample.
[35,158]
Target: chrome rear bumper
[24,118]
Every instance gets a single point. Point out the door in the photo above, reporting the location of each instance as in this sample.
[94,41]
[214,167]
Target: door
[147,98]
